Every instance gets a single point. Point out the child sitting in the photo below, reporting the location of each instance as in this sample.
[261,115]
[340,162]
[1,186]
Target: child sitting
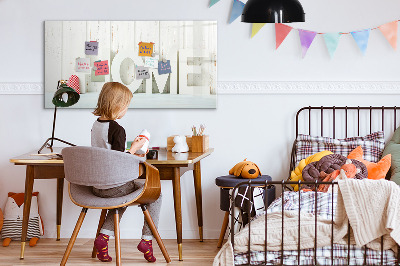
[112,104]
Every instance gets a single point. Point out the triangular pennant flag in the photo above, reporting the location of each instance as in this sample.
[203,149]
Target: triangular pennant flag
[361,37]
[306,39]
[332,41]
[389,30]
[281,31]
[213,2]
[237,9]
[256,28]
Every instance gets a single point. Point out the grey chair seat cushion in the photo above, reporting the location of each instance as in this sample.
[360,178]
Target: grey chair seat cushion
[83,196]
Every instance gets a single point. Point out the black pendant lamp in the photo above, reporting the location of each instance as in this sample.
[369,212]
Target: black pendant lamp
[273,11]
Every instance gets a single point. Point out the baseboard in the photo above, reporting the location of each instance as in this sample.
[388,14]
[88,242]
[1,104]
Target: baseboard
[260,87]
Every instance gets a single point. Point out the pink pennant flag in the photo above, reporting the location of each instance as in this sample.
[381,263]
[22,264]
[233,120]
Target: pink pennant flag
[281,31]
[306,39]
[389,30]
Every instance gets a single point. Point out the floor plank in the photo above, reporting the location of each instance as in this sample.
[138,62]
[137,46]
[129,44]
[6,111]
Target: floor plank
[50,252]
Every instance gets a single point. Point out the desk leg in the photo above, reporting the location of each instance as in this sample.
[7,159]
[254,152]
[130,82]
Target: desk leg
[176,182]
[199,204]
[27,206]
[60,190]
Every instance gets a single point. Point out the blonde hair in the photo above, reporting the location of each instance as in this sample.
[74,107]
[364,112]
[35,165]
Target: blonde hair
[113,98]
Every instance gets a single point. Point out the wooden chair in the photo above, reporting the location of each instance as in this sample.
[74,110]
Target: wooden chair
[85,167]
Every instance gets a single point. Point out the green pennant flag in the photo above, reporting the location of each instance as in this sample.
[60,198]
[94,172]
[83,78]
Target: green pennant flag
[332,41]
[213,2]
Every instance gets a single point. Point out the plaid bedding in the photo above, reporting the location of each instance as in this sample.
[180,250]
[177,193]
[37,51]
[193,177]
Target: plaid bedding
[372,145]
[322,207]
[324,257]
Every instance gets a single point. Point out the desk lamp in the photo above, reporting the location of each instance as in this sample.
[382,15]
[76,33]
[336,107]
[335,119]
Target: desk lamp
[64,97]
[273,11]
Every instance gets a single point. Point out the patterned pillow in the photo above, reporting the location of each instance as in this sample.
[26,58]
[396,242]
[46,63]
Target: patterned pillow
[372,144]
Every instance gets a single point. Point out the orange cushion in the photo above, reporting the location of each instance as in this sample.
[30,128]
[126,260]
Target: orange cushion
[375,170]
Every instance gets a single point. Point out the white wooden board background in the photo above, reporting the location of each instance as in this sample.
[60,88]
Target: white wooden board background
[64,42]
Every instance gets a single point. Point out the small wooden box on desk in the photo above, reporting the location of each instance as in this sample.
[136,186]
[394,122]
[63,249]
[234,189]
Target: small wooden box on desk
[195,143]
[200,143]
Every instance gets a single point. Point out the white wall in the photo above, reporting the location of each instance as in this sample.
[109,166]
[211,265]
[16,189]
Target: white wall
[259,127]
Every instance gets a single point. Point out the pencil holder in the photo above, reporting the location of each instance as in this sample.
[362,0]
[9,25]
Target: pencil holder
[200,143]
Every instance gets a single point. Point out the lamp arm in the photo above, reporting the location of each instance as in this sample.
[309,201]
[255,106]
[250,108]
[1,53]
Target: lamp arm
[54,126]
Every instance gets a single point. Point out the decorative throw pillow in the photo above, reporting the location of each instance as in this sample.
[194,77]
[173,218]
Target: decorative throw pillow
[375,170]
[393,148]
[372,144]
[296,174]
[13,215]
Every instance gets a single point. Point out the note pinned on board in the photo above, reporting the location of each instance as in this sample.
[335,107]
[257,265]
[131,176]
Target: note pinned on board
[151,62]
[92,48]
[94,78]
[164,67]
[101,68]
[146,48]
[142,72]
[82,65]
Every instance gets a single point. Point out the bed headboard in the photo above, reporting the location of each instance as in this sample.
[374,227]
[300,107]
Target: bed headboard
[344,121]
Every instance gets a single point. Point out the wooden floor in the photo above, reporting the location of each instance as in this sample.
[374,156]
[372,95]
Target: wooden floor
[50,252]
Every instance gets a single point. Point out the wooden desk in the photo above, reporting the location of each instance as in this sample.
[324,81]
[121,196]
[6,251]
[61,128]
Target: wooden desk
[171,167]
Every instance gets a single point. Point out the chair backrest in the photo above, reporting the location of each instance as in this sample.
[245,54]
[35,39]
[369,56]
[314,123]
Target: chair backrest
[92,166]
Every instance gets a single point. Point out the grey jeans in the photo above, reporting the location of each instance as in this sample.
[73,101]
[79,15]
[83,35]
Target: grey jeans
[154,208]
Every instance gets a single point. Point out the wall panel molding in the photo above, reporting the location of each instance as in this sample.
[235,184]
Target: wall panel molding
[21,88]
[309,87]
[260,87]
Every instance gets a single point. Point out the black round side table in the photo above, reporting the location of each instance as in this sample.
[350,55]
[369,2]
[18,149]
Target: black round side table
[228,182]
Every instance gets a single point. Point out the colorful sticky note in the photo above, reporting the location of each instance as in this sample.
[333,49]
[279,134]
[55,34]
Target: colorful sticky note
[151,62]
[146,48]
[142,72]
[164,67]
[94,78]
[92,48]
[82,65]
[101,68]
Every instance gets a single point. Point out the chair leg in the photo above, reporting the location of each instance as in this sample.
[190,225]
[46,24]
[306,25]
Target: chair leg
[117,239]
[154,230]
[223,229]
[101,222]
[73,237]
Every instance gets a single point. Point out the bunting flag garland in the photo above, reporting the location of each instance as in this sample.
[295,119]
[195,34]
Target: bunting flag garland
[237,9]
[361,37]
[256,28]
[306,39]
[281,31]
[213,2]
[332,41]
[389,30]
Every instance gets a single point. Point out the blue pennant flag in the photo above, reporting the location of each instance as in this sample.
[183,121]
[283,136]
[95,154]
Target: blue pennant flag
[213,2]
[361,37]
[332,41]
[237,9]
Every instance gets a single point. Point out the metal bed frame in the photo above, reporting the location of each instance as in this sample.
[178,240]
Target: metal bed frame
[284,183]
